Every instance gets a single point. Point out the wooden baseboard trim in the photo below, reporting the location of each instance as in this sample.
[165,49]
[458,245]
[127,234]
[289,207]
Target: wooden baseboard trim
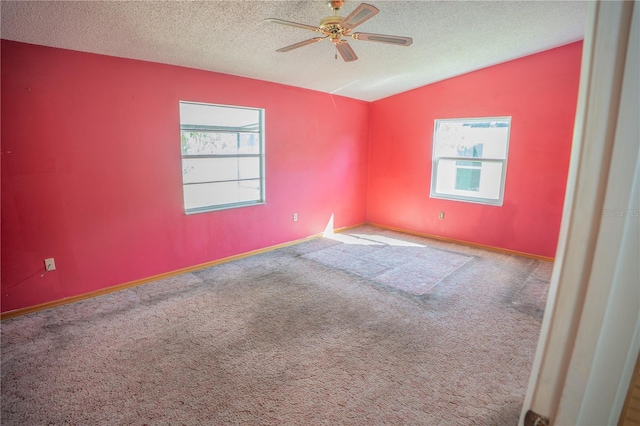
[466,243]
[346,228]
[135,283]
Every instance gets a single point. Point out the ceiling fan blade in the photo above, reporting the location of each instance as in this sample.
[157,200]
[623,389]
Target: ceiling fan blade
[346,51]
[383,38]
[294,24]
[302,43]
[359,16]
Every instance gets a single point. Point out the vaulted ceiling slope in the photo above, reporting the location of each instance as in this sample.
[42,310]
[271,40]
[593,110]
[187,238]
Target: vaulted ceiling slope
[449,38]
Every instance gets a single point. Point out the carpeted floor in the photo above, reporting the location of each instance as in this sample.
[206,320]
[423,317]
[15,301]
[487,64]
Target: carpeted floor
[370,327]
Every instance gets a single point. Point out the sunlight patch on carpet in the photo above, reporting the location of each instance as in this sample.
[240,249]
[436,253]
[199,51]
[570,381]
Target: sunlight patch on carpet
[412,268]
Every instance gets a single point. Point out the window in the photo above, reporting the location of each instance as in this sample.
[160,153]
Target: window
[470,159]
[222,156]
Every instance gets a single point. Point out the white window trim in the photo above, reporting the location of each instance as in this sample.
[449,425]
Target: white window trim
[227,206]
[435,160]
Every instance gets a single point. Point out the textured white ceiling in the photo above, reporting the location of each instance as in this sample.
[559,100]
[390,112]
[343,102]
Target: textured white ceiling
[449,38]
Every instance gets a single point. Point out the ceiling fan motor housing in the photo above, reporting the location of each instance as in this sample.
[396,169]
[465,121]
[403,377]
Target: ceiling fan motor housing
[331,26]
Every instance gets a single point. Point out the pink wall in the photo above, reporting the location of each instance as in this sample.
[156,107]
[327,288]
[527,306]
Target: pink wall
[540,93]
[91,170]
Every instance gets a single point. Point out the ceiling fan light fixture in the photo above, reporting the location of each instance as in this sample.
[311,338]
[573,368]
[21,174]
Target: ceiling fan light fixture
[335,27]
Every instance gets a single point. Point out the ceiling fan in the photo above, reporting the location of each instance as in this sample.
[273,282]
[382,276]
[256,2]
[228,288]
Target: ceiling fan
[336,27]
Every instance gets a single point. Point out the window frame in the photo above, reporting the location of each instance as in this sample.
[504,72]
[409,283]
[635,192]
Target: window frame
[435,160]
[260,131]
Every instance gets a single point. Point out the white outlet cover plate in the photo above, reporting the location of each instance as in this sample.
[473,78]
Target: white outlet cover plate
[50,264]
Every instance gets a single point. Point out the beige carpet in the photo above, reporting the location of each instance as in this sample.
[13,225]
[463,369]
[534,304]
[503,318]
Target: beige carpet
[373,327]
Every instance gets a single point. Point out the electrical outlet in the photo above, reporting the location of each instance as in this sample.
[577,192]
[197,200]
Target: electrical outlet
[49,264]
[295,217]
[441,215]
